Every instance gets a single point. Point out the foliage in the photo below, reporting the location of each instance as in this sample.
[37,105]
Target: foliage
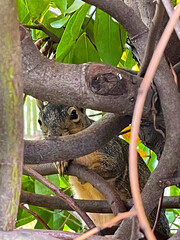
[85,34]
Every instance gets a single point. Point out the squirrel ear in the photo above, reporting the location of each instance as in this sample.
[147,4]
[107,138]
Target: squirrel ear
[83,110]
[39,104]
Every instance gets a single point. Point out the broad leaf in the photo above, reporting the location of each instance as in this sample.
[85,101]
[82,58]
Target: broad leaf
[71,32]
[107,38]
[75,6]
[41,189]
[85,51]
[37,8]
[60,23]
[23,217]
[62,5]
[22,12]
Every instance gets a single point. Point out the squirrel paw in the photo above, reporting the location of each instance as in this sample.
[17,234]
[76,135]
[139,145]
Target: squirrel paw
[61,166]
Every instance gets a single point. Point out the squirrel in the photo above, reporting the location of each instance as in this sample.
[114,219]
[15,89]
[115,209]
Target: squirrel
[110,162]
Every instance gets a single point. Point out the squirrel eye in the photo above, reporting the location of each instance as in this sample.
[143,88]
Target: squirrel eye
[74,115]
[40,122]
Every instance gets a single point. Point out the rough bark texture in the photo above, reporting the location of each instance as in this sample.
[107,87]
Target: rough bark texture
[82,89]
[11,123]
[96,86]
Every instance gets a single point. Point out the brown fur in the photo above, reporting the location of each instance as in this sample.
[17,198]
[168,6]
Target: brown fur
[110,162]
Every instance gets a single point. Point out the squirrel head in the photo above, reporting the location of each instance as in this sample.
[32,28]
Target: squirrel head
[60,120]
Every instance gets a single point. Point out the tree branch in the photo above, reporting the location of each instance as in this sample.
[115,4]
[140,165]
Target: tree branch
[170,9]
[60,194]
[100,184]
[41,27]
[94,206]
[152,37]
[68,147]
[53,234]
[35,215]
[169,161]
[93,85]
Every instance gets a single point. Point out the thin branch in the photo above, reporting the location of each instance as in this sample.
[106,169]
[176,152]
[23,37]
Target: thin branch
[136,123]
[102,186]
[170,9]
[112,222]
[152,37]
[158,214]
[35,215]
[98,182]
[41,27]
[60,194]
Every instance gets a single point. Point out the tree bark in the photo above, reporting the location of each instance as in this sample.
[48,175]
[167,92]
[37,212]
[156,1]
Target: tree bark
[11,112]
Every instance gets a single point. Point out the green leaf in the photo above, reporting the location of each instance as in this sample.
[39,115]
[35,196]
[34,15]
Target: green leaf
[22,12]
[174,191]
[74,224]
[23,217]
[123,36]
[41,189]
[37,8]
[130,62]
[170,215]
[58,219]
[62,5]
[71,32]
[85,51]
[107,38]
[60,23]
[28,183]
[44,214]
[47,20]
[75,6]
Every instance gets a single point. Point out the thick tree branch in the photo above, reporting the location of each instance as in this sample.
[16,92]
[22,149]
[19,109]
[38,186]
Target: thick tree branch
[176,236]
[53,234]
[68,147]
[169,161]
[25,235]
[152,37]
[94,206]
[96,86]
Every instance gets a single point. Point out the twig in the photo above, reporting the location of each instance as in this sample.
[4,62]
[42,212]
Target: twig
[35,215]
[158,214]
[170,9]
[101,185]
[60,194]
[41,27]
[112,222]
[133,171]
[152,37]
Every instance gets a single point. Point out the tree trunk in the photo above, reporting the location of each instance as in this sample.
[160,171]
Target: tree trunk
[11,122]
